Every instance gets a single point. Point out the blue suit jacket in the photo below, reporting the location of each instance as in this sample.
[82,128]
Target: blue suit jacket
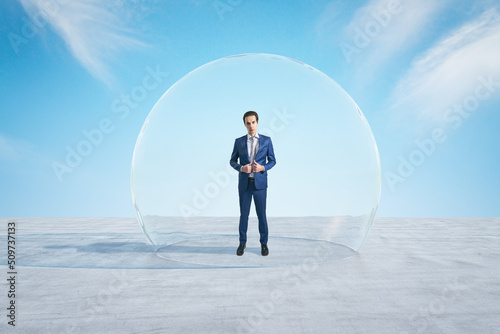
[265,157]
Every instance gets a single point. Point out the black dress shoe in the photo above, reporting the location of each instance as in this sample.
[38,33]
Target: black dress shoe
[264,250]
[240,250]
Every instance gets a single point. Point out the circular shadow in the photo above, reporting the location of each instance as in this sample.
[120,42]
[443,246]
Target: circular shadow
[220,251]
[130,251]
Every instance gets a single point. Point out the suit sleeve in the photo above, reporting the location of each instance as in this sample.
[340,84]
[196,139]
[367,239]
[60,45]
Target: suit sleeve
[271,160]
[234,158]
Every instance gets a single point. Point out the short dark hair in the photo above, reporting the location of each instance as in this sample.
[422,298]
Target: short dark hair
[251,113]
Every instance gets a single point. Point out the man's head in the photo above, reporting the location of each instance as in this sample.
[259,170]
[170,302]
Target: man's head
[251,119]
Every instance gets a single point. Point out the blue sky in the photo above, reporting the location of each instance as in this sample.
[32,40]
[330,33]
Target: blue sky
[426,74]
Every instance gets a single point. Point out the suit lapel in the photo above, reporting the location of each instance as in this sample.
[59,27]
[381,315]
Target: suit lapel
[261,145]
[245,147]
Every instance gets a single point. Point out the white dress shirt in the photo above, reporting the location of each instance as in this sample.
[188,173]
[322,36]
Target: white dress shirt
[256,149]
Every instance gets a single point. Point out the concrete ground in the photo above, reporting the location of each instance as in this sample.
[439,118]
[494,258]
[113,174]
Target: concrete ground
[97,275]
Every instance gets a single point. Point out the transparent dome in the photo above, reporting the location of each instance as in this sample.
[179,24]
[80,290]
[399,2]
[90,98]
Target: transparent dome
[322,193]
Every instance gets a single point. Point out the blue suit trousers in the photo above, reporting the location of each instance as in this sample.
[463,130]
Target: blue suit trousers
[259,199]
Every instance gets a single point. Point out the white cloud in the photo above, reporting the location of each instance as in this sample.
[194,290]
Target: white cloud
[92,32]
[383,29]
[449,73]
[329,17]
[15,149]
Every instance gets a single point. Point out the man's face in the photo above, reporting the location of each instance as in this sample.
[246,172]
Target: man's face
[251,124]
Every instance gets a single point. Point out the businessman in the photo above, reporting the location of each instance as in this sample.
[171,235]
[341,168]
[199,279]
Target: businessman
[256,157]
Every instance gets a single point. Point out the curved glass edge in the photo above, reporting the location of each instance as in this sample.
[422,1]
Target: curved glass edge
[219,251]
[348,231]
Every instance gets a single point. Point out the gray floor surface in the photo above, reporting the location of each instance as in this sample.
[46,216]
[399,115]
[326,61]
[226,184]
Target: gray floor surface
[98,275]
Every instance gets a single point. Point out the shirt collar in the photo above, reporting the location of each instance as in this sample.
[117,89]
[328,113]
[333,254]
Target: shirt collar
[256,136]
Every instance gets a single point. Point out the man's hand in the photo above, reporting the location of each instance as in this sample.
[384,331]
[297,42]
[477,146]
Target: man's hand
[247,168]
[256,167]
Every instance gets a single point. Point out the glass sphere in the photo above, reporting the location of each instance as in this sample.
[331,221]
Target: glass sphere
[322,193]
